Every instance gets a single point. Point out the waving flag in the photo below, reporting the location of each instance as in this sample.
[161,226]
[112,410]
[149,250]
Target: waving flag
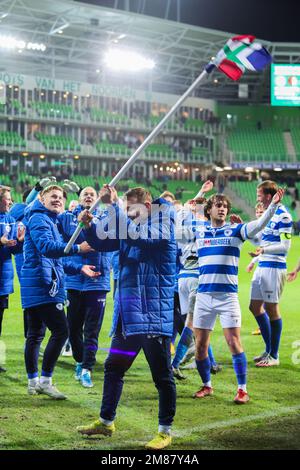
[238,54]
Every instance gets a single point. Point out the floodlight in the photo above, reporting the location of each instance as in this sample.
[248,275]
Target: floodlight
[129,61]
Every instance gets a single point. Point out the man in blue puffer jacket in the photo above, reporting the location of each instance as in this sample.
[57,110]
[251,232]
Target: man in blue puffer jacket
[10,243]
[86,296]
[43,287]
[143,316]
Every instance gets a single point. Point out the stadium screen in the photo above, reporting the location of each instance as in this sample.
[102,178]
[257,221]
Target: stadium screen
[285,85]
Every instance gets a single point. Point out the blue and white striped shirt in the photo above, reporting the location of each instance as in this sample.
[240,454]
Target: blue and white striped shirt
[219,253]
[281,222]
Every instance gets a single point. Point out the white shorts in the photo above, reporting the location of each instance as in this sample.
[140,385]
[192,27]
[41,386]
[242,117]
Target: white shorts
[267,284]
[208,306]
[187,290]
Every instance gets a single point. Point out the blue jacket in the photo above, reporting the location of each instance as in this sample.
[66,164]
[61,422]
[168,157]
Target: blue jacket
[42,280]
[115,265]
[17,212]
[67,225]
[8,226]
[145,295]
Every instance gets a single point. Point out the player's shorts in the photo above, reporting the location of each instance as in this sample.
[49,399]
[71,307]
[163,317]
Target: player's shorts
[267,284]
[187,290]
[208,306]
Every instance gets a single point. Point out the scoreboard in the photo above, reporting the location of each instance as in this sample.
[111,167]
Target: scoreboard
[285,84]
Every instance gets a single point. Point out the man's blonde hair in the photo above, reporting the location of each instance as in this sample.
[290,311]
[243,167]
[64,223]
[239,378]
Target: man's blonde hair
[52,187]
[139,193]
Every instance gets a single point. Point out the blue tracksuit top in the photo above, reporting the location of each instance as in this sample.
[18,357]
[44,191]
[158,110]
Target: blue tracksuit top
[8,227]
[67,226]
[145,295]
[43,277]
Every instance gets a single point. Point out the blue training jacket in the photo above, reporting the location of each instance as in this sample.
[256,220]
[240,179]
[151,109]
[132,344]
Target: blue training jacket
[17,212]
[42,279]
[67,226]
[145,295]
[8,226]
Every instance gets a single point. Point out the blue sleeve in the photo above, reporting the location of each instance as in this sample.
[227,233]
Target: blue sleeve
[154,235]
[100,245]
[32,196]
[70,267]
[42,237]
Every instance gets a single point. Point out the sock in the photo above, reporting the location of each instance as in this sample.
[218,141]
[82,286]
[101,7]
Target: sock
[211,356]
[164,429]
[263,322]
[240,368]
[84,371]
[243,387]
[34,375]
[185,340]
[33,382]
[276,328]
[204,370]
[106,421]
[46,378]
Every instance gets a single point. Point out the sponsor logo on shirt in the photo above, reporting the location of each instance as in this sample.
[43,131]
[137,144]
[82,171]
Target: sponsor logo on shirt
[216,241]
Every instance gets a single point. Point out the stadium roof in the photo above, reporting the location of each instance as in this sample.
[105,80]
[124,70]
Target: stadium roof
[179,50]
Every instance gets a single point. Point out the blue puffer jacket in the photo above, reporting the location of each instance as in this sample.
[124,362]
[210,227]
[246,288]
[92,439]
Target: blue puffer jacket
[67,225]
[17,212]
[145,297]
[115,265]
[8,226]
[42,280]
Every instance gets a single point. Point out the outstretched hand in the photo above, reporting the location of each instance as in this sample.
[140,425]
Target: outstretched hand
[207,186]
[235,219]
[108,194]
[278,196]
[255,253]
[292,276]
[89,271]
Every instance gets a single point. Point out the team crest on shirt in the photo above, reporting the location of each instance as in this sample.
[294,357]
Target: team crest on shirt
[7,228]
[273,225]
[227,233]
[201,234]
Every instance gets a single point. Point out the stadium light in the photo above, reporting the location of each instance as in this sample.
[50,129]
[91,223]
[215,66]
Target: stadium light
[9,42]
[278,169]
[128,61]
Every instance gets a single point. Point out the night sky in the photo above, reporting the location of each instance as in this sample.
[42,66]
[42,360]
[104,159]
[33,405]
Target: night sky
[271,20]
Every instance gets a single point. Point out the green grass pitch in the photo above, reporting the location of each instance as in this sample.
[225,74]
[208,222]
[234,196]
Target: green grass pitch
[271,420]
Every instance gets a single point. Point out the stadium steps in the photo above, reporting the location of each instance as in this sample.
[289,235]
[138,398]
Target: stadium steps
[291,151]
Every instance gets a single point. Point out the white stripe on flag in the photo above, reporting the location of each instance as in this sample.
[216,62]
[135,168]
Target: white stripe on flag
[242,56]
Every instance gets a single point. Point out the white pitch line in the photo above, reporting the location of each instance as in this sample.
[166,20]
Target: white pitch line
[236,421]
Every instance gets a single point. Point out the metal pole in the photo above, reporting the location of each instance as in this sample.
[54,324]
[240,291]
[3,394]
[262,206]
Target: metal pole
[141,148]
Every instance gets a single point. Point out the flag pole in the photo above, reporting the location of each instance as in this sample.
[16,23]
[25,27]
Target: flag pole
[142,147]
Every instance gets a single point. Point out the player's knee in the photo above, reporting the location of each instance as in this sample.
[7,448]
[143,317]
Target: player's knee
[234,344]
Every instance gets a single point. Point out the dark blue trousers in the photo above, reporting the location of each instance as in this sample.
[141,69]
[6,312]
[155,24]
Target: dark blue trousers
[121,356]
[85,316]
[51,316]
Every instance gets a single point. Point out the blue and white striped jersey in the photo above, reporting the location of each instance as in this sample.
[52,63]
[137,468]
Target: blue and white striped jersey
[189,265]
[219,253]
[281,222]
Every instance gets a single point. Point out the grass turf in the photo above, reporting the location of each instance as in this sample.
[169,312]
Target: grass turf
[271,420]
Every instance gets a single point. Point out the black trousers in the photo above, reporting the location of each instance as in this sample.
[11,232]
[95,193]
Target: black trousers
[3,306]
[122,354]
[85,316]
[51,316]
